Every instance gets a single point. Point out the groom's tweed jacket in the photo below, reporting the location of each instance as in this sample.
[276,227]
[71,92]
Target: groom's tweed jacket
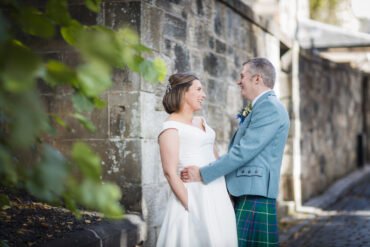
[252,164]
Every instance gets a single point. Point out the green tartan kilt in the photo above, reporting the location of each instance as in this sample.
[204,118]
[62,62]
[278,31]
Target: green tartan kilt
[256,221]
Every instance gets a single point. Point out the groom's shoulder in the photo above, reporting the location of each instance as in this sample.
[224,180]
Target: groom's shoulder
[274,104]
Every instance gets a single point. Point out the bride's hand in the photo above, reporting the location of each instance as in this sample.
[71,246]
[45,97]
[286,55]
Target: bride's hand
[190,174]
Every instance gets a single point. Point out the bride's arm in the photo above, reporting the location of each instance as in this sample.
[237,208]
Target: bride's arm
[169,150]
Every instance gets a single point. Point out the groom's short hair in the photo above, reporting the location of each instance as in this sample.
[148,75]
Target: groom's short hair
[263,67]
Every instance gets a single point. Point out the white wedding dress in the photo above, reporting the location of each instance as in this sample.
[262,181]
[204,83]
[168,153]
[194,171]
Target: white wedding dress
[210,221]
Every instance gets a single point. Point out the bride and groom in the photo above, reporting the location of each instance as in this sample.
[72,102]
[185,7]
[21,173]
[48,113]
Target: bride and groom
[228,200]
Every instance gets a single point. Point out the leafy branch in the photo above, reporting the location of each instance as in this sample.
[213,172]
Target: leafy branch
[26,160]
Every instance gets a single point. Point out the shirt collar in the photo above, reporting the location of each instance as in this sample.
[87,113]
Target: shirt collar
[260,95]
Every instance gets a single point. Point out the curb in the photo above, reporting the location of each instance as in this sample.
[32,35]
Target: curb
[129,232]
[338,189]
[329,197]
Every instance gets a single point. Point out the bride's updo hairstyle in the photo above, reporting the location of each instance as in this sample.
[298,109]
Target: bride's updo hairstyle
[177,85]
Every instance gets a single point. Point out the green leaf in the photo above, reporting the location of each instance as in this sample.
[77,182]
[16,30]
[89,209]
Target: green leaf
[133,61]
[4,243]
[160,67]
[35,22]
[99,103]
[93,5]
[4,202]
[59,73]
[87,161]
[27,118]
[85,122]
[93,44]
[7,169]
[142,48]
[20,67]
[94,78]
[81,103]
[47,181]
[128,36]
[4,28]
[59,120]
[106,197]
[153,71]
[57,10]
[72,32]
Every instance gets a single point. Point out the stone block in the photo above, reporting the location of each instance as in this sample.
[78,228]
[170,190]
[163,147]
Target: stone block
[200,7]
[219,20]
[198,33]
[167,47]
[152,27]
[182,63]
[211,42]
[71,58]
[153,233]
[175,28]
[231,25]
[217,120]
[178,8]
[82,14]
[216,91]
[220,47]
[121,160]
[132,197]
[120,14]
[62,106]
[234,101]
[125,80]
[124,114]
[151,163]
[151,121]
[197,65]
[155,200]
[215,65]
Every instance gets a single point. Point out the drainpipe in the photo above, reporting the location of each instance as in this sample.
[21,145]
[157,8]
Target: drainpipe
[297,185]
[297,162]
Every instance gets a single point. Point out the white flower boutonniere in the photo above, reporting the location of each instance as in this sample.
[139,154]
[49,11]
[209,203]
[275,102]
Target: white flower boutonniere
[244,112]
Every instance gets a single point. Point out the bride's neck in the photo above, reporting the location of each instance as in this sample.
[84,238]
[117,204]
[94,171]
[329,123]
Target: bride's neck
[183,116]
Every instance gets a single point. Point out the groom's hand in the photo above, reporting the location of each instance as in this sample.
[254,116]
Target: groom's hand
[191,174]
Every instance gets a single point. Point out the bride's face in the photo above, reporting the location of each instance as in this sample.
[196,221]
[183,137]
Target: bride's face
[195,96]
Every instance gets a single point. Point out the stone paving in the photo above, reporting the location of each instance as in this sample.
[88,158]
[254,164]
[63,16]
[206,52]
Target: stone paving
[345,223]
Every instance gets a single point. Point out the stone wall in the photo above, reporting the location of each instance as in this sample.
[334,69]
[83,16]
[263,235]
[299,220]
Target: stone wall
[366,103]
[118,137]
[331,119]
[212,39]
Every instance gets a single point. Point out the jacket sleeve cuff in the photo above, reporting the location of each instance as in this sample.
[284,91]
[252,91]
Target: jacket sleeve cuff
[206,174]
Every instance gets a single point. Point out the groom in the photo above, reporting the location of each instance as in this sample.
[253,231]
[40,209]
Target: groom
[252,164]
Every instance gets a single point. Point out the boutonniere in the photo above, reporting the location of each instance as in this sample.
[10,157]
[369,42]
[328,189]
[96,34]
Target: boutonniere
[244,112]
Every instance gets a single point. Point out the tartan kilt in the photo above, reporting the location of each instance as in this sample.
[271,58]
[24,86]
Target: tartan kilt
[256,221]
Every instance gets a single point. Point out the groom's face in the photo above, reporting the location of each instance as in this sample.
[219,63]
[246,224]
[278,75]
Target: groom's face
[246,83]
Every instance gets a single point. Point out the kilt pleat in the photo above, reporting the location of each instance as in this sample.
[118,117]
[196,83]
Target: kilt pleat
[256,221]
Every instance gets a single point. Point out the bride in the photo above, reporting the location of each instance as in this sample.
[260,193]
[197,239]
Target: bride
[197,214]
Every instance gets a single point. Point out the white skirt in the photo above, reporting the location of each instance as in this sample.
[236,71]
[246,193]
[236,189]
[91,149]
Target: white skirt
[210,220]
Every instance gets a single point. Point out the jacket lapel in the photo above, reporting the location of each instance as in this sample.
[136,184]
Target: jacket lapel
[247,120]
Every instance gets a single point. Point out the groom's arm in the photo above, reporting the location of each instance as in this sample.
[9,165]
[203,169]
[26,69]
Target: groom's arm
[262,128]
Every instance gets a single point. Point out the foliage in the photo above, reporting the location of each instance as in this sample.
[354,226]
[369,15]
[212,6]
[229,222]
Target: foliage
[26,160]
[324,10]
